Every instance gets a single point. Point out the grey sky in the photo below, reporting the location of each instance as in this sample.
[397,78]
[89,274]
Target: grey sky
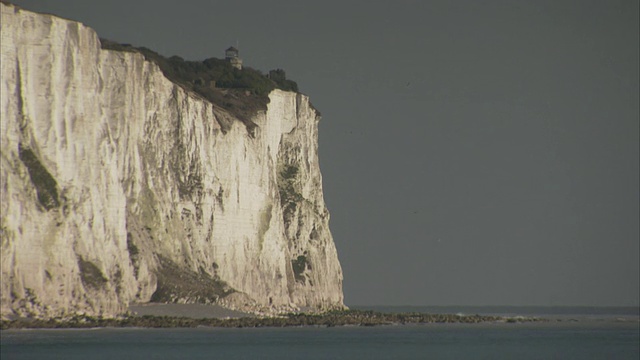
[473,152]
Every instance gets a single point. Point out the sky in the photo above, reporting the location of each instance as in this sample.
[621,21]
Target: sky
[473,152]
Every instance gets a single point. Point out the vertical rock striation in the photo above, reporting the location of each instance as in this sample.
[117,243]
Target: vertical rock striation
[118,186]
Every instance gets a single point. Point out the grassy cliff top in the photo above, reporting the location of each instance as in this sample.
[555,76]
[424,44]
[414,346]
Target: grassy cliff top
[241,92]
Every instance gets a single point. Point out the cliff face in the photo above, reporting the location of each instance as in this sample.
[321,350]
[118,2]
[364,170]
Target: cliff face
[118,186]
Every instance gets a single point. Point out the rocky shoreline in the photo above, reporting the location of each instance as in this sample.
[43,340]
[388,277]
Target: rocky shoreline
[328,319]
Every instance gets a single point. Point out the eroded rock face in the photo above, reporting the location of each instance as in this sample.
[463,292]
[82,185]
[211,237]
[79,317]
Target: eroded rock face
[118,186]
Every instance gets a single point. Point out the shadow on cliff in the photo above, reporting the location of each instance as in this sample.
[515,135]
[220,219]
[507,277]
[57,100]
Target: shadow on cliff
[177,285]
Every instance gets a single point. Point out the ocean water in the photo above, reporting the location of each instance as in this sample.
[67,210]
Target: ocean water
[597,313]
[601,338]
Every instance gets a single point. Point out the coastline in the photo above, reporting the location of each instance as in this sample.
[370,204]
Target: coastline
[327,319]
[163,315]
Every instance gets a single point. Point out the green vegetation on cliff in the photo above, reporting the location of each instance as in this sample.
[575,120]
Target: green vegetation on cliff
[241,92]
[45,184]
[290,195]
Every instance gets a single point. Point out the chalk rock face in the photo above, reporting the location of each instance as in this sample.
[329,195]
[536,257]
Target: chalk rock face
[118,186]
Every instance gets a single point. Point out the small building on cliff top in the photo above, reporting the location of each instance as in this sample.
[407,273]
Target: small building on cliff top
[232,56]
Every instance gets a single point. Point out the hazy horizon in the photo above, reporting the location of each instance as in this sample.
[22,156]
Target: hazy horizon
[473,154]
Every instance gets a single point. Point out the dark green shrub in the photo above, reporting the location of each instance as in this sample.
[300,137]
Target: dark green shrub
[299,265]
[90,274]
[45,184]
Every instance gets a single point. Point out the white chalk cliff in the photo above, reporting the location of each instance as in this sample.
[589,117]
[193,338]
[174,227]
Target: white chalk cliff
[118,186]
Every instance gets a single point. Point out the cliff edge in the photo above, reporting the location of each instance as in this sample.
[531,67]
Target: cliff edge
[119,186]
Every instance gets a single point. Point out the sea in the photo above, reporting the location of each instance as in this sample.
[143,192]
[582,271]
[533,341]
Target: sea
[571,333]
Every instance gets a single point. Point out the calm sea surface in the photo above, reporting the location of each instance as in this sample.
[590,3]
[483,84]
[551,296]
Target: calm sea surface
[601,336]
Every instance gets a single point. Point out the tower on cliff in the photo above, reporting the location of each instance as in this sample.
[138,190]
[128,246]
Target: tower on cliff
[231,55]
